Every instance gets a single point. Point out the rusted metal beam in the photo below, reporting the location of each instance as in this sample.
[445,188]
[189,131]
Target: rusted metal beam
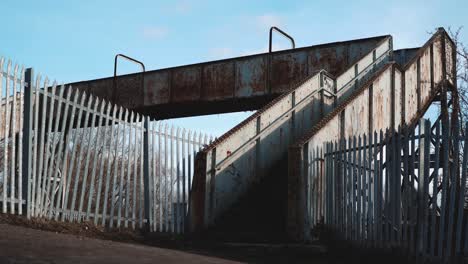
[237,84]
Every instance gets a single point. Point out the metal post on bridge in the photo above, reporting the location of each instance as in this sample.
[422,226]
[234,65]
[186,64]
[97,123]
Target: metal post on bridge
[27,144]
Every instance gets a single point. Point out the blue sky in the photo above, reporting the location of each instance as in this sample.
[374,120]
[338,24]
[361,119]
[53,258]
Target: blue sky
[77,40]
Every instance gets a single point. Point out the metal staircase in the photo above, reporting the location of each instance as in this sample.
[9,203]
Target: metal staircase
[226,169]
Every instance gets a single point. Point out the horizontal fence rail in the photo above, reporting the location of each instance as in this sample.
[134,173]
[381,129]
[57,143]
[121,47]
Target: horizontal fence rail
[400,189]
[70,156]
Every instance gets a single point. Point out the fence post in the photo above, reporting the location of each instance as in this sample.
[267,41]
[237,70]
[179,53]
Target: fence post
[423,175]
[146,172]
[304,196]
[27,137]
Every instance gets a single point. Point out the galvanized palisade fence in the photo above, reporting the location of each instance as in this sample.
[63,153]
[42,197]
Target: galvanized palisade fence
[400,189]
[11,137]
[70,156]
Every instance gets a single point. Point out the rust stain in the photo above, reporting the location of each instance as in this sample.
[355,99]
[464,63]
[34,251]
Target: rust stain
[186,84]
[149,85]
[125,92]
[157,88]
[286,70]
[251,76]
[218,81]
[237,78]
[329,59]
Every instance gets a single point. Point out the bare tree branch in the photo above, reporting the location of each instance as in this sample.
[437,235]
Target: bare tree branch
[462,69]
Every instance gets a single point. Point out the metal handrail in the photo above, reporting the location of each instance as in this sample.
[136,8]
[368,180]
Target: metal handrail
[114,83]
[284,34]
[233,154]
[378,60]
[261,132]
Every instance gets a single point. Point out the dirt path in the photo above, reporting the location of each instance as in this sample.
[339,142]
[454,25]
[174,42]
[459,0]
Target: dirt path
[24,245]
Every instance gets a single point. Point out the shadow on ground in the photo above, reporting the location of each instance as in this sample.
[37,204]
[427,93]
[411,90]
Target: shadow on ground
[315,252]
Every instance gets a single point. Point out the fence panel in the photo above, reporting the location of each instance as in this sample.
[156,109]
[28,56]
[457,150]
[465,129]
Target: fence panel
[78,147]
[85,158]
[11,137]
[110,151]
[171,158]
[406,189]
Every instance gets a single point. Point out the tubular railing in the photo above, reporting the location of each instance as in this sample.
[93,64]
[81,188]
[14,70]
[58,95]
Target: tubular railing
[270,43]
[325,77]
[114,80]
[360,71]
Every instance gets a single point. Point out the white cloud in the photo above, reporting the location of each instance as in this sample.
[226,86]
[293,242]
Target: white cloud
[155,32]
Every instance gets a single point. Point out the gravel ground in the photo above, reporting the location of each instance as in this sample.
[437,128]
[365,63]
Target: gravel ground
[46,241]
[24,245]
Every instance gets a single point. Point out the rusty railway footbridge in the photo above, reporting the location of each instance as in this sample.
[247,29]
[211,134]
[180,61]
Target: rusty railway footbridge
[337,143]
